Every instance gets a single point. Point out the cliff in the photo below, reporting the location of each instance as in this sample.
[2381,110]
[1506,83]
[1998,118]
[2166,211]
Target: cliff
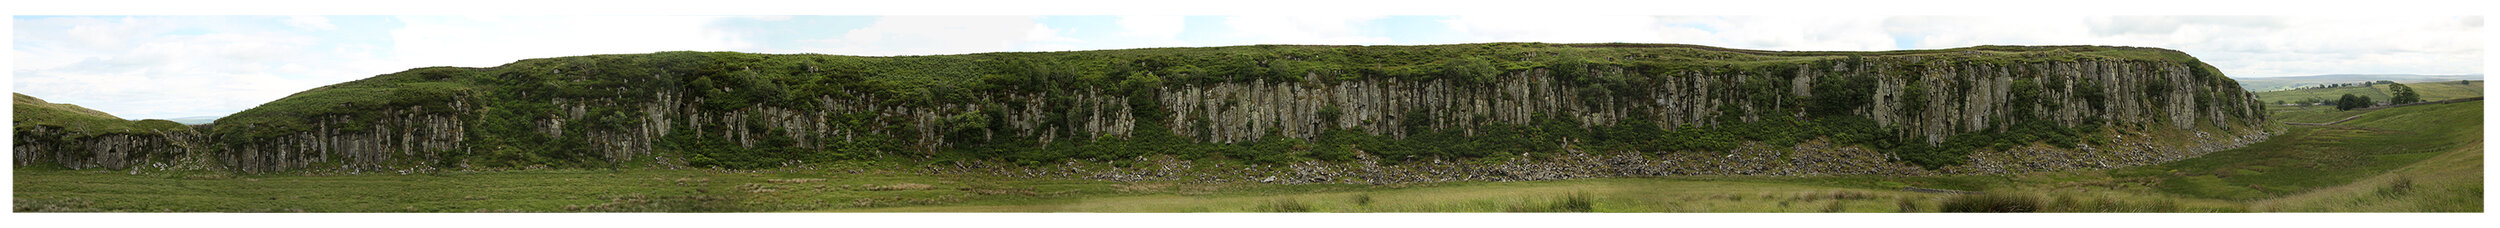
[69,136]
[1272,104]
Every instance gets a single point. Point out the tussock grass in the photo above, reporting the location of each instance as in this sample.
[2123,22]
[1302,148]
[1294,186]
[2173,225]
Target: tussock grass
[1907,205]
[1992,202]
[2451,182]
[1284,205]
[1574,202]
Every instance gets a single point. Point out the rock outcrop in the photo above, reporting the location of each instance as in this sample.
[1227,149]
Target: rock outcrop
[1931,95]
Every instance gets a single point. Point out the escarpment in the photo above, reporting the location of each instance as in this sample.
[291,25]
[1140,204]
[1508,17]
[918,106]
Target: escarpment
[1963,98]
[1668,109]
[68,136]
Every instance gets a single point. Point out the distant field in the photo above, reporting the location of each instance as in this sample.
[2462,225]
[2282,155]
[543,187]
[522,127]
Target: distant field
[2431,91]
[2416,158]
[2282,83]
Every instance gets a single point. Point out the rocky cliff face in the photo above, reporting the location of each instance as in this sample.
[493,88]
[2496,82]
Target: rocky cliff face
[1961,98]
[54,146]
[405,139]
[69,136]
[1931,97]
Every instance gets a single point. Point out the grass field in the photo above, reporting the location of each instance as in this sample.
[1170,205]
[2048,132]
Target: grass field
[2308,114]
[2407,159]
[2431,91]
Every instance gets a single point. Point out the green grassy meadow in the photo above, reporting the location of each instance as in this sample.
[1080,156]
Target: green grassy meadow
[2425,158]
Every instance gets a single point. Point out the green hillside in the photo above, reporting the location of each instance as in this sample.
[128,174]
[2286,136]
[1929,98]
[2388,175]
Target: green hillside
[31,112]
[22,99]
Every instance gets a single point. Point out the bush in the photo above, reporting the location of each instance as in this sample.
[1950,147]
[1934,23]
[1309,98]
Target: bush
[2350,102]
[2403,94]
[1992,202]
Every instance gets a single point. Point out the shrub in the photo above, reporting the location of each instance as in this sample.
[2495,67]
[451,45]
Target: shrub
[1992,202]
[2403,94]
[2350,102]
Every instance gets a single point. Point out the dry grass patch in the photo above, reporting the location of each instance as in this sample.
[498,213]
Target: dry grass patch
[898,187]
[793,180]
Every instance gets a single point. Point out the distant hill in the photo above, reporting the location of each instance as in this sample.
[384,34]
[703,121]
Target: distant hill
[2431,91]
[32,113]
[2286,83]
[196,120]
[39,103]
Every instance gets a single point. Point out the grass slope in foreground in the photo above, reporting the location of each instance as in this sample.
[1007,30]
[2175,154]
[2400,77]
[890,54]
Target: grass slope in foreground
[2405,159]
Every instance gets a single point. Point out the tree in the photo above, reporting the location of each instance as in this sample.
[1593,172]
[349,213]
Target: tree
[2403,94]
[2350,102]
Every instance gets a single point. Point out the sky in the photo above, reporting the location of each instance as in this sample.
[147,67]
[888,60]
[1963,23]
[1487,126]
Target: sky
[143,67]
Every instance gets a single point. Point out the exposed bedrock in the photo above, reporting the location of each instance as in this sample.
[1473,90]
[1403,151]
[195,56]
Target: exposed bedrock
[1932,100]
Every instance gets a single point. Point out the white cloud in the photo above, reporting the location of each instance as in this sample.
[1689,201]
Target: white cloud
[1931,32]
[929,35]
[1152,27]
[1304,30]
[1043,33]
[163,67]
[1778,33]
[2295,46]
[1557,28]
[310,22]
[492,41]
[2117,25]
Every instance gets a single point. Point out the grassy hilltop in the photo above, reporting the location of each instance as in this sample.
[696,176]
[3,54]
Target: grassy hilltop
[34,112]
